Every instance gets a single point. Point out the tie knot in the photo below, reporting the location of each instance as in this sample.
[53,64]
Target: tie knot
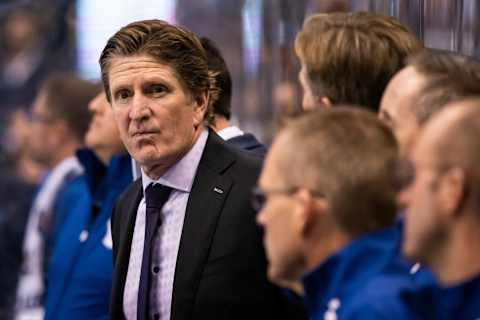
[156,195]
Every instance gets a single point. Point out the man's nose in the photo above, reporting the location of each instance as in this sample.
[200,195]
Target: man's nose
[260,218]
[140,108]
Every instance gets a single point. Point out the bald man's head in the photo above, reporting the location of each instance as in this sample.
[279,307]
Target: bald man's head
[431,81]
[443,199]
[454,135]
[396,108]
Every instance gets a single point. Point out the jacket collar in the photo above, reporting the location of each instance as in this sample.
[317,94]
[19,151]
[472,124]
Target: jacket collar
[100,177]
[350,267]
[433,301]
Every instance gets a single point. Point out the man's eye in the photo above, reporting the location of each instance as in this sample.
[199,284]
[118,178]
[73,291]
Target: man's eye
[157,89]
[122,95]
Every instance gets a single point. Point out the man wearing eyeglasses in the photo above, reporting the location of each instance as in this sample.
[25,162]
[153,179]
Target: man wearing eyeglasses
[442,215]
[59,120]
[329,223]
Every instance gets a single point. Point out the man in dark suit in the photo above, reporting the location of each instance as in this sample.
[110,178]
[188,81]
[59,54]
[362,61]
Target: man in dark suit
[185,243]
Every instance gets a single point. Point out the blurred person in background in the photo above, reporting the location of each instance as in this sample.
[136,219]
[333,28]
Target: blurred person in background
[59,120]
[20,177]
[350,57]
[329,222]
[80,271]
[222,106]
[442,213]
[21,55]
[431,80]
[286,101]
[16,144]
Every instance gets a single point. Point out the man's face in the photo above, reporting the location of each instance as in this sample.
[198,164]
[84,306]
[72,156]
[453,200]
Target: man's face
[277,217]
[158,120]
[398,103]
[422,199]
[103,133]
[309,101]
[44,141]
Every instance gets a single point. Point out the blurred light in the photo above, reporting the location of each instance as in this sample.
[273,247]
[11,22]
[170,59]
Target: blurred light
[97,21]
[252,35]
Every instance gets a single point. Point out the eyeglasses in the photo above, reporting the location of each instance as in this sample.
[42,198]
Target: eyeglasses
[39,118]
[259,196]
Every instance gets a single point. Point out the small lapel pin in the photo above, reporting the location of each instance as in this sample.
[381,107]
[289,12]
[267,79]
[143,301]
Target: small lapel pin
[218,190]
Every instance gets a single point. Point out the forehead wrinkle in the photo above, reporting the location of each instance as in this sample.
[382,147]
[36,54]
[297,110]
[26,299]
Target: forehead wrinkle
[144,70]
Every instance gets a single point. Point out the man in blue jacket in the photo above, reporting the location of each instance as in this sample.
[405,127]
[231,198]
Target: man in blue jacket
[442,215]
[80,273]
[327,205]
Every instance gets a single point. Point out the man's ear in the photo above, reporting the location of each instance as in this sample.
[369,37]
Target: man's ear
[308,211]
[200,108]
[453,190]
[325,102]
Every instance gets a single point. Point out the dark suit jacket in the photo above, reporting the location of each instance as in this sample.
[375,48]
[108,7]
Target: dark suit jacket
[221,266]
[248,142]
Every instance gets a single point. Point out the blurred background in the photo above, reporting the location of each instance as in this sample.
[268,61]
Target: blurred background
[255,36]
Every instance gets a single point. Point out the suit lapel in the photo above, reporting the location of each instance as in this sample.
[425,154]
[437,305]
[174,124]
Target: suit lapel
[209,191]
[127,219]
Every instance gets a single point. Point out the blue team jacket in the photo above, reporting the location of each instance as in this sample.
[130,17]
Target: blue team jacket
[433,302]
[80,270]
[362,281]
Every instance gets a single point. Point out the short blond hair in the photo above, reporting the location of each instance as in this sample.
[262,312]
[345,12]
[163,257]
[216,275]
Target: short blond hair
[347,154]
[351,57]
[449,77]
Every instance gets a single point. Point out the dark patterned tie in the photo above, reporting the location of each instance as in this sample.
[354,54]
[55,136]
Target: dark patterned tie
[155,197]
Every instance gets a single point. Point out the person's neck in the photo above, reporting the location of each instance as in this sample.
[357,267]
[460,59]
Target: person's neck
[220,123]
[317,252]
[103,154]
[457,263]
[68,150]
[156,170]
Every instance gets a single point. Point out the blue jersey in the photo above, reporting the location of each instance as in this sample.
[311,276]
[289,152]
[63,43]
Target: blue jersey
[80,271]
[362,281]
[434,302]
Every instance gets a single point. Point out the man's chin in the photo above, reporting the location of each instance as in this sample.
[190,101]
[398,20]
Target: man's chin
[410,252]
[41,158]
[144,155]
[280,278]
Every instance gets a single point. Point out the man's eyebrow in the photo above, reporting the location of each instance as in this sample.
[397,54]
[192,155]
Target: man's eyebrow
[118,86]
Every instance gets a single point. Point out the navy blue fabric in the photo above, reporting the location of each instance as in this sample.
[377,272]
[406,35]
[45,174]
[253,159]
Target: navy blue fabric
[80,272]
[51,226]
[362,281]
[433,302]
[248,142]
[156,195]
[15,199]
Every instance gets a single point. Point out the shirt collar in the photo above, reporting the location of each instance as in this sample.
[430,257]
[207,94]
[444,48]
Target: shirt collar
[230,132]
[180,176]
